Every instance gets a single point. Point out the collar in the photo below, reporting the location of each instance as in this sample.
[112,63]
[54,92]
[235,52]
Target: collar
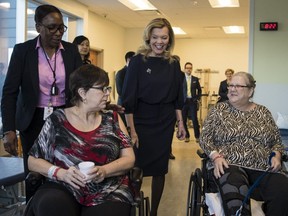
[38,45]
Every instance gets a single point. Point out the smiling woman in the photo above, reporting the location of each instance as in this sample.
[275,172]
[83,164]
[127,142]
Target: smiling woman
[153,98]
[244,145]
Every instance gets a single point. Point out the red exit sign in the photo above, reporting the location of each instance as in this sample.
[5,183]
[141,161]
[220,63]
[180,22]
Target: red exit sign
[268,26]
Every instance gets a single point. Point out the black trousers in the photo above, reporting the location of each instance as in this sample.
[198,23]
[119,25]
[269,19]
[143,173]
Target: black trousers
[272,189]
[54,199]
[190,107]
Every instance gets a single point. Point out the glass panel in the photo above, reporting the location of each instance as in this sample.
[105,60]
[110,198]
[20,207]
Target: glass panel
[7,38]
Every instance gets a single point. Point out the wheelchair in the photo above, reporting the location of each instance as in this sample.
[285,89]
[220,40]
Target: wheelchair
[198,186]
[140,206]
[201,182]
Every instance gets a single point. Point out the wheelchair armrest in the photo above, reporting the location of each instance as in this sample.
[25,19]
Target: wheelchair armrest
[201,153]
[136,177]
[284,158]
[33,181]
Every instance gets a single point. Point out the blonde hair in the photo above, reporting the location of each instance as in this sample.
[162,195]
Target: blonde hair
[145,49]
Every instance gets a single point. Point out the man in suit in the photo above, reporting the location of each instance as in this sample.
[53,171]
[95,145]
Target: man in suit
[120,76]
[192,94]
[37,81]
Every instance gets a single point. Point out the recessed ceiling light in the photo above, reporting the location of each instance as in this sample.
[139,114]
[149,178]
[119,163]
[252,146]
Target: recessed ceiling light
[5,5]
[224,3]
[178,31]
[234,29]
[138,4]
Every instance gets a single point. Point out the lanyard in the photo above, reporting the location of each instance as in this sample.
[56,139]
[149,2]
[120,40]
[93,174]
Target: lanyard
[54,89]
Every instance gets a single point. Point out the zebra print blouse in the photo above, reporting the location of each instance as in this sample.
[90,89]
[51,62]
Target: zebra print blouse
[244,138]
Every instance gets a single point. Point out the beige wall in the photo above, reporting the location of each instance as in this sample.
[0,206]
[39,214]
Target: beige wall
[269,56]
[115,41]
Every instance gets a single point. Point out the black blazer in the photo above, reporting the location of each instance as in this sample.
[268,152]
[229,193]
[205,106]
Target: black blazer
[120,75]
[196,90]
[21,87]
[223,90]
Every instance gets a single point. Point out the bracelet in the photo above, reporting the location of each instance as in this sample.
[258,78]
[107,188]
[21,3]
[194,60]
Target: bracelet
[218,156]
[55,173]
[179,121]
[51,171]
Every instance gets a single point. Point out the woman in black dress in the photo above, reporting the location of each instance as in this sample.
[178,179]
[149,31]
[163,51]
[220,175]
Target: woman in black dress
[223,88]
[153,99]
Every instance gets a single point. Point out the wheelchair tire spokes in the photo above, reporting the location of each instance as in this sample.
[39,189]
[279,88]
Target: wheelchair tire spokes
[195,194]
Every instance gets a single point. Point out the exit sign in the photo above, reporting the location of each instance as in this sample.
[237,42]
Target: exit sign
[268,26]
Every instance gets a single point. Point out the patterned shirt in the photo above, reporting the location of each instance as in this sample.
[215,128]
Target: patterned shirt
[244,138]
[63,145]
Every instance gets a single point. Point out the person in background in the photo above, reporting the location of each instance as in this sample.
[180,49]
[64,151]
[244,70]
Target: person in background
[120,75]
[37,81]
[80,133]
[83,45]
[240,136]
[153,98]
[223,88]
[172,156]
[192,94]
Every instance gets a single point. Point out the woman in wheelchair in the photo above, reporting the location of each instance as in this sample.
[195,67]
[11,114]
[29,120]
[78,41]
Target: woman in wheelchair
[239,136]
[83,132]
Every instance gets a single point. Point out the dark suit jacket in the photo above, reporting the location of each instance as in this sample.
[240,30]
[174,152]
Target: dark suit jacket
[21,87]
[120,75]
[196,90]
[223,90]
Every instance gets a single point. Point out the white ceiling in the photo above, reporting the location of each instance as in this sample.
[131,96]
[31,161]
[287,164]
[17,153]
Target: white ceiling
[195,17]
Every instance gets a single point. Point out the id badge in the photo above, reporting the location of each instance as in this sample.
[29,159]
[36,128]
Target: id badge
[47,112]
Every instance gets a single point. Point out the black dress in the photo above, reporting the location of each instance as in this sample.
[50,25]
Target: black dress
[152,91]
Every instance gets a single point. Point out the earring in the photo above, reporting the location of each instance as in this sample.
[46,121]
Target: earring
[84,100]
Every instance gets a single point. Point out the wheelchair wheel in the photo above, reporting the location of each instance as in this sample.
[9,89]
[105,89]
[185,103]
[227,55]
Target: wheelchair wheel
[194,194]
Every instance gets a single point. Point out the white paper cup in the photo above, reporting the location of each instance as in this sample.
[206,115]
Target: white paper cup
[85,167]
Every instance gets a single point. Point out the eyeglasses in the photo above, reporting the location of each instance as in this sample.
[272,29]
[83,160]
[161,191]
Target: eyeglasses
[188,68]
[237,86]
[105,89]
[54,28]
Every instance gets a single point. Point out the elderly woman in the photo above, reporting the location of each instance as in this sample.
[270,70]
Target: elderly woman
[239,137]
[83,132]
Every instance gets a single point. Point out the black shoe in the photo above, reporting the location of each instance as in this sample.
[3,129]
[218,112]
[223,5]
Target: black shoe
[172,157]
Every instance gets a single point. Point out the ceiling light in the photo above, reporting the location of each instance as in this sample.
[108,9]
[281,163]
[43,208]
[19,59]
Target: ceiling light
[138,4]
[224,3]
[178,31]
[234,29]
[5,5]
